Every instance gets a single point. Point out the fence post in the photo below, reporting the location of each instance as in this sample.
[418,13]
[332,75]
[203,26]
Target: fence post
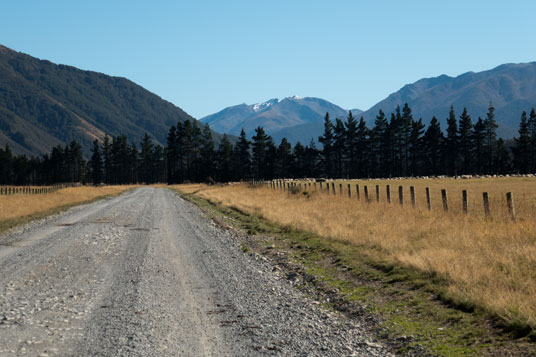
[358,194]
[349,191]
[464,202]
[388,193]
[377,193]
[412,194]
[340,189]
[444,198]
[314,184]
[365,190]
[327,187]
[401,195]
[333,188]
[510,204]
[428,199]
[485,198]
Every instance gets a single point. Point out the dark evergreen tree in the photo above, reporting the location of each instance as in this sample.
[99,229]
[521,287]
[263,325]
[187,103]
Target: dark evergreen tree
[96,164]
[380,146]
[327,147]
[363,150]
[225,160]
[416,147]
[146,168]
[491,137]
[502,158]
[242,158]
[285,160]
[405,131]
[465,142]
[352,146]
[339,145]
[433,141]
[207,153]
[532,133]
[522,149]
[451,144]
[107,156]
[260,140]
[479,146]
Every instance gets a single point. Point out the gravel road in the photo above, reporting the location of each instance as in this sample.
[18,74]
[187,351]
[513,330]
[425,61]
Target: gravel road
[146,274]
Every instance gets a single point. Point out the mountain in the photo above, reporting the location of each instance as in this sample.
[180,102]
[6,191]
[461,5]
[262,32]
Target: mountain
[511,88]
[43,104]
[297,119]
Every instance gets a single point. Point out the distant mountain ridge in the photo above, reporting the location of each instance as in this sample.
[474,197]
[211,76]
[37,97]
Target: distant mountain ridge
[295,118]
[43,104]
[511,88]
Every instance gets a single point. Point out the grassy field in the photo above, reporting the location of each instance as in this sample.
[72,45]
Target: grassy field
[487,263]
[21,208]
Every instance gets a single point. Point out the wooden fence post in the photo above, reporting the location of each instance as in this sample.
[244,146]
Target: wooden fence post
[365,190]
[327,187]
[485,198]
[510,204]
[464,202]
[314,184]
[358,194]
[349,191]
[428,199]
[444,198]
[401,195]
[333,188]
[412,194]
[388,193]
[340,189]
[377,193]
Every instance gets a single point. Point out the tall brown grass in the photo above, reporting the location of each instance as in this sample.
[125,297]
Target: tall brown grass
[13,207]
[491,262]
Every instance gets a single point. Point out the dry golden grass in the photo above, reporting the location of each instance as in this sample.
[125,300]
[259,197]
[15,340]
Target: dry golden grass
[13,207]
[491,262]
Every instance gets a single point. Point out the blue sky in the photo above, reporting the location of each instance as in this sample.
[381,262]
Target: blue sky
[207,55]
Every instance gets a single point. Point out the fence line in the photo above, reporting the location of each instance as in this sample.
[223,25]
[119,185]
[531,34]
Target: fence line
[29,190]
[292,186]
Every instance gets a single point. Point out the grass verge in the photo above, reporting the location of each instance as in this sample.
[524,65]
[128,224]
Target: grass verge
[409,309]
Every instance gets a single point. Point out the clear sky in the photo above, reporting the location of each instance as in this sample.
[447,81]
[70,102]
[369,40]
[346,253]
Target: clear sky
[207,55]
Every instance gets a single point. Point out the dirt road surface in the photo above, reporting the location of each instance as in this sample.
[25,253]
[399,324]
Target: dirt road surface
[145,274]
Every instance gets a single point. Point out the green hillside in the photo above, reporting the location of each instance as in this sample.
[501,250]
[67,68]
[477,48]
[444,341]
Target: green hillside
[43,104]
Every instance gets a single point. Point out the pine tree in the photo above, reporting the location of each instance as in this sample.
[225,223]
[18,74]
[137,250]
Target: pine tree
[532,133]
[451,144]
[405,127]
[363,149]
[380,145]
[259,152]
[327,146]
[172,156]
[285,160]
[107,156]
[351,145]
[433,141]
[96,164]
[225,160]
[465,143]
[502,158]
[242,158]
[479,146]
[522,149]
[416,146]
[491,137]
[339,145]
[207,154]
[146,160]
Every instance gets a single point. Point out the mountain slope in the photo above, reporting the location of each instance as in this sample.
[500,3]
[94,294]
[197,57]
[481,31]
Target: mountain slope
[511,88]
[296,118]
[43,104]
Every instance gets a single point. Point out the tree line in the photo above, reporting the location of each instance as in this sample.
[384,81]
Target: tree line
[397,145]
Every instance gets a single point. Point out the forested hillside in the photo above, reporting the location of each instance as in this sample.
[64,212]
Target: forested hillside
[43,105]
